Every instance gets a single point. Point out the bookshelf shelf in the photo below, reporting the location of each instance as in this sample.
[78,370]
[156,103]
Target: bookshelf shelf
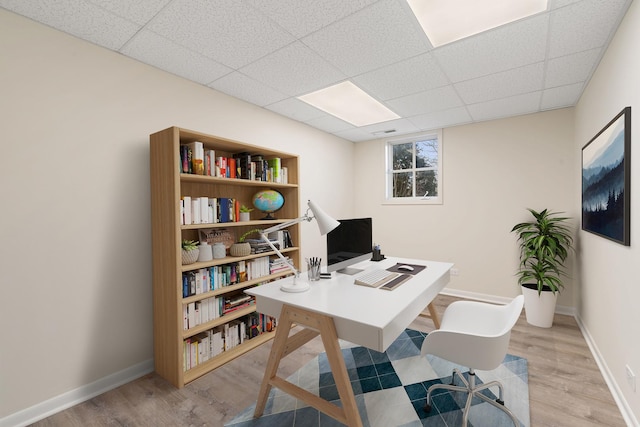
[189,177]
[227,356]
[230,259]
[168,186]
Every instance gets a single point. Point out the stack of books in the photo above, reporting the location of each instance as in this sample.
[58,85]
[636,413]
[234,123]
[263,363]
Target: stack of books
[278,265]
[259,246]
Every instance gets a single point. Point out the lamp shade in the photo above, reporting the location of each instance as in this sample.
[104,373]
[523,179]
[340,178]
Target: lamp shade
[325,222]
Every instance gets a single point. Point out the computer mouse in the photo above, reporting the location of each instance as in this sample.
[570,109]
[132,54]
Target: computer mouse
[405,268]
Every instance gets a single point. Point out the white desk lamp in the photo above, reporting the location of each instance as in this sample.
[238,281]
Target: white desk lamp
[325,225]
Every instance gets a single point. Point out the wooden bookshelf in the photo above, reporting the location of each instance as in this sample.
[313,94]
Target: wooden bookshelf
[168,185]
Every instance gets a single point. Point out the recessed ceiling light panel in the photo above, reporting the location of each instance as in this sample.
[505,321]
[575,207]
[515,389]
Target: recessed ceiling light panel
[445,21]
[348,102]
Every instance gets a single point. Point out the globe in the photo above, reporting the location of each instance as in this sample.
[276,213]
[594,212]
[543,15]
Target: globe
[268,201]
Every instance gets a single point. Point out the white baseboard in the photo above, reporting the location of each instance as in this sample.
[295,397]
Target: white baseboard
[66,400]
[626,411]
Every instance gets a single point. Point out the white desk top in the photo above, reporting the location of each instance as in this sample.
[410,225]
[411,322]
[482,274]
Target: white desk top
[366,316]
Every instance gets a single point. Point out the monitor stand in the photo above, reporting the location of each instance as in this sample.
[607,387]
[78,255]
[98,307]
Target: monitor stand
[350,271]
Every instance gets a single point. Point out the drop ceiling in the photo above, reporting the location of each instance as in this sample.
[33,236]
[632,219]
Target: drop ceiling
[270,52]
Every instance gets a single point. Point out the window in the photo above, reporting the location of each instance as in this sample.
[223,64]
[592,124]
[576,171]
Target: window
[414,170]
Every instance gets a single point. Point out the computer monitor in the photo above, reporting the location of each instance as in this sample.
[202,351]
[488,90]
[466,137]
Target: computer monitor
[349,243]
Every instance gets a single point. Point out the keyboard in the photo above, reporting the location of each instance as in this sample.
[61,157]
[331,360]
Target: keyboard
[375,278]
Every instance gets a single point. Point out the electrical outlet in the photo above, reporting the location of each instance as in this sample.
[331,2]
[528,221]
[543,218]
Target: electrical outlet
[631,378]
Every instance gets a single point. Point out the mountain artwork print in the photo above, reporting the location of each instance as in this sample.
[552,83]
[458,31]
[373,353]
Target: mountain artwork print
[606,176]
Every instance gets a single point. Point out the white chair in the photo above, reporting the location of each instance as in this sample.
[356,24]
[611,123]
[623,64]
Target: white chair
[475,335]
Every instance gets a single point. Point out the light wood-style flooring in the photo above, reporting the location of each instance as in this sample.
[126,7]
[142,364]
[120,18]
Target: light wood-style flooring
[565,386]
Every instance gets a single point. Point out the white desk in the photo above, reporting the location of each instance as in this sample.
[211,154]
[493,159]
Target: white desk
[335,309]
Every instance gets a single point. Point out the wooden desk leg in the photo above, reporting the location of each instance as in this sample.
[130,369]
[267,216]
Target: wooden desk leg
[339,370]
[433,314]
[277,350]
[283,345]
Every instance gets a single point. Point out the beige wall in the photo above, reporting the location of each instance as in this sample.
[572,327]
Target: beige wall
[609,272]
[492,172]
[75,261]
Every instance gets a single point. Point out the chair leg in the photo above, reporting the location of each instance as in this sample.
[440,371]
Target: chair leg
[450,387]
[472,390]
[499,402]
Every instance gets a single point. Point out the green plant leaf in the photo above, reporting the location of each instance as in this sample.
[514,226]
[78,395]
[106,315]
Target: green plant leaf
[544,245]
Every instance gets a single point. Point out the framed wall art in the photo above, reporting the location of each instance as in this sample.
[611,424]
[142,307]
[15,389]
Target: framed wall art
[606,180]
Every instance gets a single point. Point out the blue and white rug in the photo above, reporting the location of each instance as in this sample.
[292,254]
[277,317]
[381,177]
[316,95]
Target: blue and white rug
[390,390]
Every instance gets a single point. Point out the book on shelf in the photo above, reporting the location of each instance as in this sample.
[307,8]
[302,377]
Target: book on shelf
[243,165]
[208,344]
[203,311]
[200,160]
[278,265]
[195,153]
[283,237]
[275,164]
[221,166]
[236,302]
[259,246]
[210,162]
[202,280]
[198,210]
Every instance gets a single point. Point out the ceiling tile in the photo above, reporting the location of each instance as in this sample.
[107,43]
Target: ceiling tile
[571,68]
[301,18]
[511,46]
[399,126]
[355,135]
[78,18]
[296,109]
[506,107]
[329,123]
[585,25]
[295,70]
[155,50]
[425,102]
[369,39]
[555,4]
[139,11]
[440,119]
[410,76]
[563,96]
[244,87]
[502,85]
[228,31]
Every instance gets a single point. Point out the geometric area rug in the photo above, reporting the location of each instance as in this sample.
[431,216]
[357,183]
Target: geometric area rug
[390,390]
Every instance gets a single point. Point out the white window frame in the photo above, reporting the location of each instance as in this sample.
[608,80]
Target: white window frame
[418,200]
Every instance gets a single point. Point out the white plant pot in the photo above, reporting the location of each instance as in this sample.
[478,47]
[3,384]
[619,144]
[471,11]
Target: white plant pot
[539,309]
[245,216]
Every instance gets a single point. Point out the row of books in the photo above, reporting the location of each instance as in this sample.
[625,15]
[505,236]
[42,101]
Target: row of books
[203,311]
[206,345]
[207,279]
[196,159]
[208,210]
[208,309]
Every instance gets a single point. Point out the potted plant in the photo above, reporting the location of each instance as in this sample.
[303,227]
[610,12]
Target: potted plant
[190,252]
[545,242]
[243,248]
[245,213]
